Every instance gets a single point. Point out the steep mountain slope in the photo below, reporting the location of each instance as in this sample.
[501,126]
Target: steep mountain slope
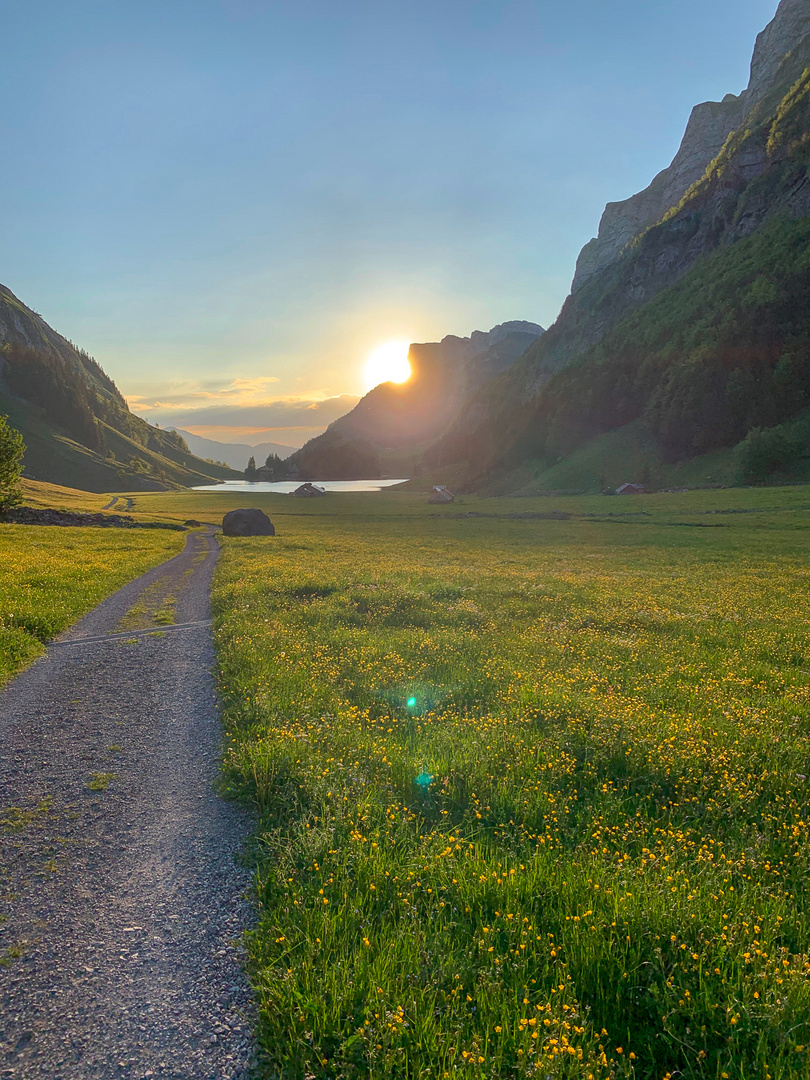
[699,324]
[77,427]
[709,126]
[389,429]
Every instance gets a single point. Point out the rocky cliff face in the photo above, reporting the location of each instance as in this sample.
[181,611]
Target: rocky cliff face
[761,175]
[709,126]
[443,375]
[780,37]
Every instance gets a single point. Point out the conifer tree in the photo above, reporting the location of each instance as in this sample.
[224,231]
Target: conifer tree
[12,449]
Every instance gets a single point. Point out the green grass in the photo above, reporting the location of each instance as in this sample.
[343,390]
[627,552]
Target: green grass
[51,454]
[626,455]
[50,577]
[53,496]
[582,849]
[100,781]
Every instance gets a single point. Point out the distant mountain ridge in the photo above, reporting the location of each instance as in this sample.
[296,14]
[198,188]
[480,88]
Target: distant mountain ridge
[388,430]
[77,427]
[236,455]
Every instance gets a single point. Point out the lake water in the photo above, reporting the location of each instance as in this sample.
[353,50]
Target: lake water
[285,487]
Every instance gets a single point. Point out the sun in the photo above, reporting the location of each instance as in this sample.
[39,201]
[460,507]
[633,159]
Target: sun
[388,363]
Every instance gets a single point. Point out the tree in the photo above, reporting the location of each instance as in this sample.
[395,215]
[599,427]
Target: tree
[12,449]
[250,471]
[273,469]
[762,453]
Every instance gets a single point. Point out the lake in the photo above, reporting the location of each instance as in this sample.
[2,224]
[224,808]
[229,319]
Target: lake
[285,487]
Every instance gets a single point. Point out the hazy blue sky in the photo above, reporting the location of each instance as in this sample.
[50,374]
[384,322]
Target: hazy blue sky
[230,203]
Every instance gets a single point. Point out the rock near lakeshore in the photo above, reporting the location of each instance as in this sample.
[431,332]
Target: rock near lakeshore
[247,523]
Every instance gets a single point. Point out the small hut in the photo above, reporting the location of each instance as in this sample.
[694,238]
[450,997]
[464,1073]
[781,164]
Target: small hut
[309,491]
[441,495]
[630,489]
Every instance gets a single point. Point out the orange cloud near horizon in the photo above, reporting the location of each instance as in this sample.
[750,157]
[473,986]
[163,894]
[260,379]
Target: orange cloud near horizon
[212,414]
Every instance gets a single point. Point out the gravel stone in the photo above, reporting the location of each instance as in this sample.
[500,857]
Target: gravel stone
[122,908]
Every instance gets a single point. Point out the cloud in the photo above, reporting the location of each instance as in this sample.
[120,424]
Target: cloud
[240,410]
[204,409]
[195,395]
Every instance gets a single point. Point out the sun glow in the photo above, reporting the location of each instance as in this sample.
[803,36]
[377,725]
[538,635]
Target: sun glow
[388,363]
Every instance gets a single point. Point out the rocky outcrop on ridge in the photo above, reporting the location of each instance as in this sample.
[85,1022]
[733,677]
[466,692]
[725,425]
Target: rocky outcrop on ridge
[710,124]
[782,34]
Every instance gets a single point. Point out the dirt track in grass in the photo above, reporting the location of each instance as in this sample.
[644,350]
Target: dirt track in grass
[120,897]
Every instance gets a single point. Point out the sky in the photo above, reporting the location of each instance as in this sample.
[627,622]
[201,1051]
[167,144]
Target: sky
[232,203]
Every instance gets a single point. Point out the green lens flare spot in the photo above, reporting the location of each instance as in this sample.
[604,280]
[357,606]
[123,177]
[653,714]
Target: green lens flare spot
[411,702]
[424,780]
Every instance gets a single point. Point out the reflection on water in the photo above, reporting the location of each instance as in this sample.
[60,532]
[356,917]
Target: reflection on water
[284,487]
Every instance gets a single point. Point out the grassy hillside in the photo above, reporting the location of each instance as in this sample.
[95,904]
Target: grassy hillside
[77,427]
[725,350]
[39,495]
[626,455]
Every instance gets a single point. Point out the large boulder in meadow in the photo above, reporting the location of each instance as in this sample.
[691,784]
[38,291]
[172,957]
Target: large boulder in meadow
[247,523]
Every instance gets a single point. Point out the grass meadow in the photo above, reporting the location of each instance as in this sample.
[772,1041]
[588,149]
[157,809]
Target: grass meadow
[51,576]
[533,783]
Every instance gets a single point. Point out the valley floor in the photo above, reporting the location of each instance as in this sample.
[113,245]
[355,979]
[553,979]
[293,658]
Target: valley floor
[533,784]
[531,778]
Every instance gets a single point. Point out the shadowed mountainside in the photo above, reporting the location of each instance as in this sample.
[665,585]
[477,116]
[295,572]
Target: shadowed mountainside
[697,326]
[77,427]
[389,429]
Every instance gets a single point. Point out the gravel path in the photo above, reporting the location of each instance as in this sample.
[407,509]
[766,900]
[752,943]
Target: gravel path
[120,897]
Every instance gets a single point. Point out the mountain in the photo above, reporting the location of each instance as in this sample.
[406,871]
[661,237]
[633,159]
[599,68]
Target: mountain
[690,312]
[389,429]
[236,455]
[76,425]
[709,126]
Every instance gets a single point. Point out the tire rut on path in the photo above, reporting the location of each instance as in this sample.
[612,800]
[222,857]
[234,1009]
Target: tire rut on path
[120,898]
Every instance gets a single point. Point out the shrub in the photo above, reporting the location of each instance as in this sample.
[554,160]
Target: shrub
[764,452]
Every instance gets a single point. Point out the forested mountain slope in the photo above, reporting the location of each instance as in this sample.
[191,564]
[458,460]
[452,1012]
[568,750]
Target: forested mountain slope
[77,427]
[700,326]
